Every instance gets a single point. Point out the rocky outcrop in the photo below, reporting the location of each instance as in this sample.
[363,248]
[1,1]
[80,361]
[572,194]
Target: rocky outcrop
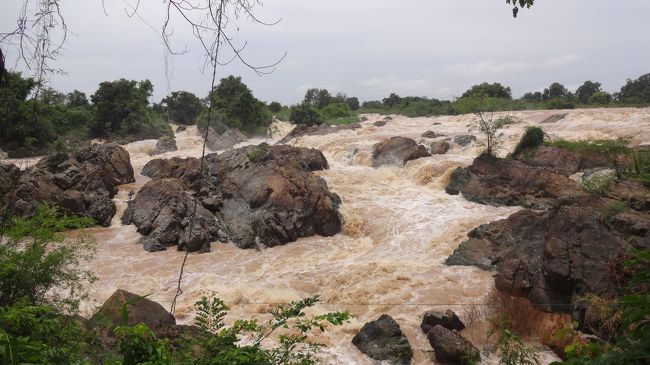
[464,140]
[164,144]
[9,175]
[140,310]
[511,182]
[82,184]
[379,123]
[561,161]
[260,194]
[317,130]
[162,210]
[452,348]
[226,140]
[448,319]
[397,151]
[440,147]
[553,118]
[429,134]
[383,340]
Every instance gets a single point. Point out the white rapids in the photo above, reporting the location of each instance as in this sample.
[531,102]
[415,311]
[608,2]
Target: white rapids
[399,227]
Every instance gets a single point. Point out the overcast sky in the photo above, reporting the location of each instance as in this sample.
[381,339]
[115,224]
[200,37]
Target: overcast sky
[367,48]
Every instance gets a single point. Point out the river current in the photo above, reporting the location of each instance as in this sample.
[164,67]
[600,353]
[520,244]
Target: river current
[400,225]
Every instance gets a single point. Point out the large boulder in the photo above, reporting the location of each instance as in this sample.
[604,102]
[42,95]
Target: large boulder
[225,140]
[162,210]
[464,140]
[447,319]
[262,194]
[561,161]
[383,340]
[317,130]
[440,147]
[9,175]
[164,144]
[452,348]
[82,184]
[511,182]
[140,310]
[397,151]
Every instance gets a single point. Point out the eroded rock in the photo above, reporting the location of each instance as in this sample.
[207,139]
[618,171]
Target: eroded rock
[397,151]
[383,340]
[452,348]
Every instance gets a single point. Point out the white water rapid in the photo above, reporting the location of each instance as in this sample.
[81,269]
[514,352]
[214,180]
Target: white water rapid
[400,225]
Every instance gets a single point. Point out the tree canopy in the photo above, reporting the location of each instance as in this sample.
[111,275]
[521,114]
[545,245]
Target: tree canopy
[182,107]
[494,90]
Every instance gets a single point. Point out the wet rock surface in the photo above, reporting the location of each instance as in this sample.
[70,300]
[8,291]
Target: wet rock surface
[557,254]
[257,195]
[383,340]
[164,144]
[317,130]
[451,347]
[225,140]
[81,184]
[440,147]
[397,151]
[448,319]
[464,140]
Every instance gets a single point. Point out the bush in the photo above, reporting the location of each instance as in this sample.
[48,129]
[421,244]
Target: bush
[533,137]
[304,114]
[34,258]
[336,110]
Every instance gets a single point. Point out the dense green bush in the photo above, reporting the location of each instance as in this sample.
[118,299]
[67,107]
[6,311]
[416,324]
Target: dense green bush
[182,107]
[336,110]
[532,138]
[305,114]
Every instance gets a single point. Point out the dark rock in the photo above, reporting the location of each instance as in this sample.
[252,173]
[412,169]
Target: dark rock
[464,140]
[164,144]
[439,147]
[397,151]
[140,310]
[379,123]
[510,182]
[317,130]
[260,194]
[226,140]
[429,134]
[181,128]
[382,339]
[452,348]
[388,118]
[447,319]
[553,118]
[363,119]
[562,161]
[9,175]
[82,184]
[151,244]
[162,210]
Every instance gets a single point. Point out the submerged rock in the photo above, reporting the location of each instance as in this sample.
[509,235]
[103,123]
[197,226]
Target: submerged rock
[382,339]
[397,151]
[317,130]
[440,147]
[429,134]
[164,144]
[464,140]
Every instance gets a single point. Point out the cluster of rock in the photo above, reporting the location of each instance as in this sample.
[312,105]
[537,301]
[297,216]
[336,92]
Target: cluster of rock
[317,130]
[383,340]
[251,195]
[564,246]
[397,151]
[81,184]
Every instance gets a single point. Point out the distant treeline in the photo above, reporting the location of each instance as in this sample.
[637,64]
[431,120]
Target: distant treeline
[37,120]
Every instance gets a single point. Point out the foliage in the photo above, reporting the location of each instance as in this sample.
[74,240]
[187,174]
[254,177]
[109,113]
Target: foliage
[275,107]
[512,351]
[613,150]
[495,90]
[587,90]
[222,344]
[598,185]
[235,106]
[336,110]
[38,334]
[636,91]
[600,98]
[138,345]
[182,107]
[121,108]
[34,258]
[555,90]
[305,114]
[254,153]
[532,138]
[353,102]
[641,169]
[317,98]
[487,125]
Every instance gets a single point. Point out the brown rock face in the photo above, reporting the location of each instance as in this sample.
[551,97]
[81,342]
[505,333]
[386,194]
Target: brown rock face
[165,144]
[561,161]
[440,147]
[141,310]
[452,348]
[382,339]
[397,151]
[82,184]
[263,194]
[9,175]
[226,140]
[511,182]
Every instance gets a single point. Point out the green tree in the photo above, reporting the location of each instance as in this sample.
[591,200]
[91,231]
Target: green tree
[636,91]
[353,102]
[121,108]
[555,90]
[586,90]
[318,98]
[305,114]
[77,99]
[182,107]
[600,98]
[236,107]
[494,90]
[533,96]
[392,100]
[50,96]
[275,107]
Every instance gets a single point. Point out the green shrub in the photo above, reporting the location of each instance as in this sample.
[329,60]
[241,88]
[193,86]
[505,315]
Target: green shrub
[512,351]
[598,185]
[336,110]
[305,114]
[34,258]
[533,137]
